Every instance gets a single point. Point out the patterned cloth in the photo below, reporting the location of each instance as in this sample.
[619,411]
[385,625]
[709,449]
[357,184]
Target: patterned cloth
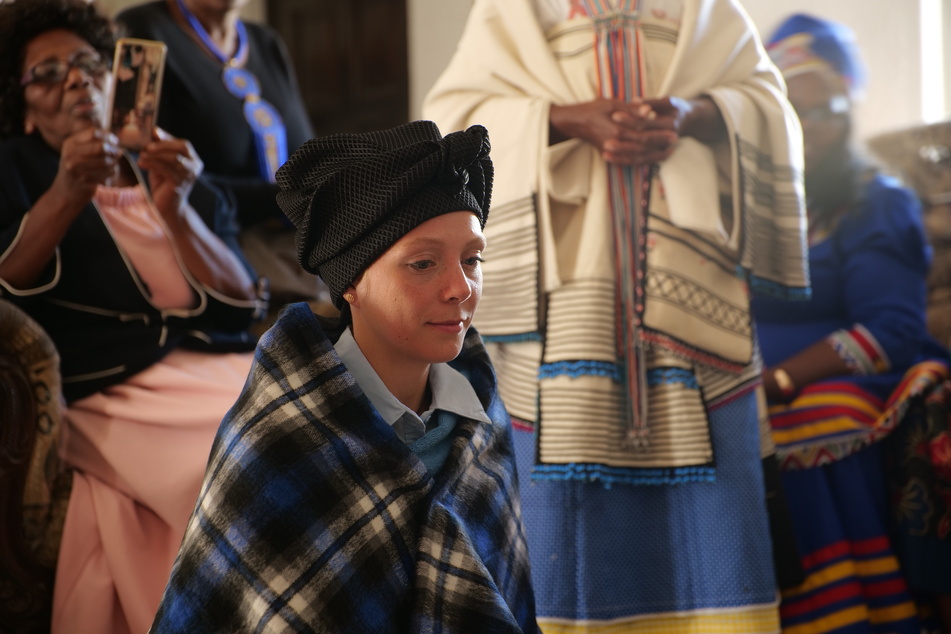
[315,517]
[877,329]
[681,559]
[854,583]
[550,275]
[829,437]
[919,456]
[29,374]
[688,550]
[831,420]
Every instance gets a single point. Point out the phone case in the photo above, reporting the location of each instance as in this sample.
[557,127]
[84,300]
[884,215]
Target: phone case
[136,87]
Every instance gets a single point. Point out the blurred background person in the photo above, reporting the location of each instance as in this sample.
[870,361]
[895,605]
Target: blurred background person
[229,88]
[131,264]
[837,367]
[645,153]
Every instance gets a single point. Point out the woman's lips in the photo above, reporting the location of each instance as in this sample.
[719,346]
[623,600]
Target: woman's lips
[454,326]
[86,107]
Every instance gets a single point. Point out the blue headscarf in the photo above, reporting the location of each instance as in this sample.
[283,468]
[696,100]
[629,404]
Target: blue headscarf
[804,42]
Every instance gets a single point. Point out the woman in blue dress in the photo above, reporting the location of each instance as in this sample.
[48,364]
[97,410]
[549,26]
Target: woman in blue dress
[841,369]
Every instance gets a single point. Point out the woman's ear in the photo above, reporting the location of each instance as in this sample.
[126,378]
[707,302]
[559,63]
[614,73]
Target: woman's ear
[28,125]
[350,293]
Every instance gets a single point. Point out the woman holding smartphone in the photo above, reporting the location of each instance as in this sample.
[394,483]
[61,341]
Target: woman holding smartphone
[132,267]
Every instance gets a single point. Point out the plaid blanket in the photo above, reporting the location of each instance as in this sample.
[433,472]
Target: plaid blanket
[315,517]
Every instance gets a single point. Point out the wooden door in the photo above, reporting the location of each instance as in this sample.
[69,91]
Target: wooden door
[351,60]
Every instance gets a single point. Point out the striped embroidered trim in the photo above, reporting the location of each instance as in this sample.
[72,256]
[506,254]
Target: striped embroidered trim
[511,271]
[580,368]
[688,352]
[833,420]
[769,288]
[513,338]
[859,349]
[608,476]
[655,376]
[753,619]
[621,74]
[848,582]
[662,376]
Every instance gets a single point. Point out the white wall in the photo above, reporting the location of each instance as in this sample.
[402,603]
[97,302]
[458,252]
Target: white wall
[434,28]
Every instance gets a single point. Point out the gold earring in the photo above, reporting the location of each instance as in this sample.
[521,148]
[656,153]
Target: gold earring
[349,297]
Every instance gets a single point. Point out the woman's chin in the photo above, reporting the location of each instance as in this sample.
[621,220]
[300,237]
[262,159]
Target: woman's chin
[86,119]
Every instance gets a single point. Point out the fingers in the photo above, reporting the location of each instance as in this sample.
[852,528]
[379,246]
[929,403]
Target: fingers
[89,158]
[645,118]
[646,148]
[174,158]
[646,132]
[92,142]
[628,133]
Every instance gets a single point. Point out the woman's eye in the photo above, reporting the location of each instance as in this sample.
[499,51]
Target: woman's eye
[421,265]
[474,260]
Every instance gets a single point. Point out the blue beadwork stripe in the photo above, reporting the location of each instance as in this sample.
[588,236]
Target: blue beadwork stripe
[609,476]
[655,376]
[666,376]
[514,338]
[770,288]
[575,369]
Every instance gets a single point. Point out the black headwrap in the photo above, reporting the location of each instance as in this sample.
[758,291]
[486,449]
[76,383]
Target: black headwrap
[351,196]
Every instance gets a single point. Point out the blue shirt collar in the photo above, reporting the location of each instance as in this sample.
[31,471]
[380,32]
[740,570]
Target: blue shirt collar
[451,392]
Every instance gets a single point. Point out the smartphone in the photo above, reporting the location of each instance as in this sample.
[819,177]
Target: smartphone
[136,86]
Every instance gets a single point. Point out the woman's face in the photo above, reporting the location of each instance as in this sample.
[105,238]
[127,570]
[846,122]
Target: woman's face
[60,108]
[413,305]
[824,108]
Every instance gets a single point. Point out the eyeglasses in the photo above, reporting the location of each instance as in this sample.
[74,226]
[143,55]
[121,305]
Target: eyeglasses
[835,108]
[53,71]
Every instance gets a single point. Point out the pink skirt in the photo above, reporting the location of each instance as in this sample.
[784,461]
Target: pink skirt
[139,452]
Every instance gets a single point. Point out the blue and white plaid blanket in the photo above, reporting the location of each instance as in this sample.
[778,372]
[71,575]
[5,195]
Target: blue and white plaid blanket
[315,517]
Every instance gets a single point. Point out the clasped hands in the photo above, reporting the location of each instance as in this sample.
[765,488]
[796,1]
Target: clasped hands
[634,133]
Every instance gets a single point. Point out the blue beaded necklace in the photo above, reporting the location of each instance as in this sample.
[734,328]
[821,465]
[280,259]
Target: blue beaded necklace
[270,135]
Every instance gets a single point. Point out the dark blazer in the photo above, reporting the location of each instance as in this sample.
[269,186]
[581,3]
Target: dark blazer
[195,104]
[89,298]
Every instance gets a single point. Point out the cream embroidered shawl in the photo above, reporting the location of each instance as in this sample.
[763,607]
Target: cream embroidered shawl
[549,273]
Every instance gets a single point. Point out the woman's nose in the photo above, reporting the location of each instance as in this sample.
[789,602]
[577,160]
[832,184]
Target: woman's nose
[76,76]
[457,285]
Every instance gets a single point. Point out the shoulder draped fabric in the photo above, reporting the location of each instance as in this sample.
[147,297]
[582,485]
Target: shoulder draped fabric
[315,517]
[551,238]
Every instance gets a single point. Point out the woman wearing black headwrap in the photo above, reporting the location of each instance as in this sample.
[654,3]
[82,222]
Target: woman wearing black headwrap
[364,481]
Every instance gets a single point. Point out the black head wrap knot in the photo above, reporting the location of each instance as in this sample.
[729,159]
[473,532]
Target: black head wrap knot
[351,196]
